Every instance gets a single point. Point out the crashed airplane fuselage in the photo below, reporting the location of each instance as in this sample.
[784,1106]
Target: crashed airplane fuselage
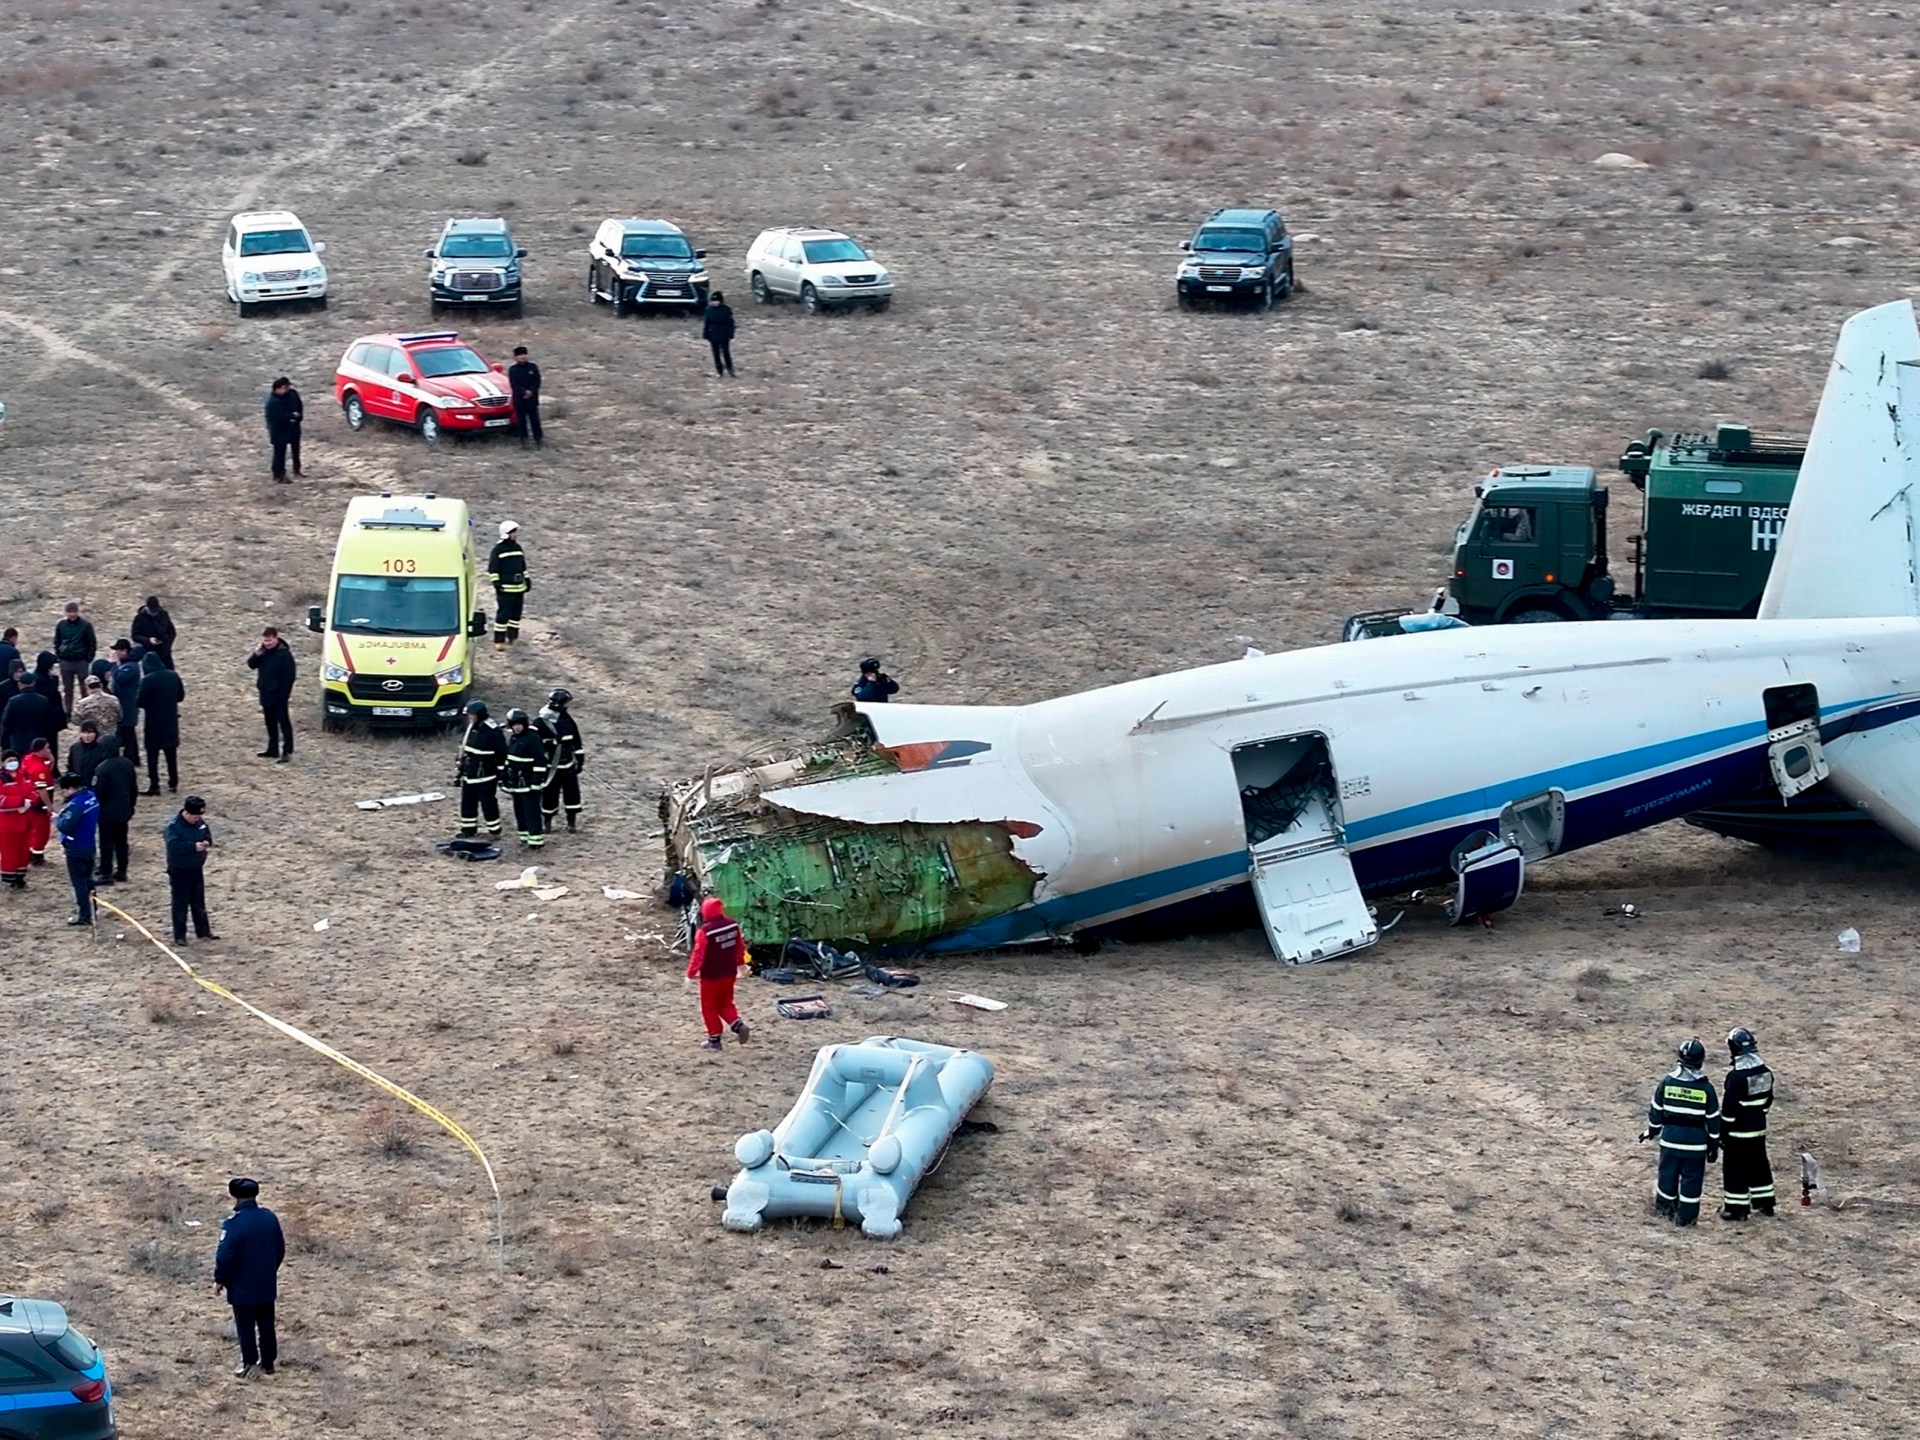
[1330,775]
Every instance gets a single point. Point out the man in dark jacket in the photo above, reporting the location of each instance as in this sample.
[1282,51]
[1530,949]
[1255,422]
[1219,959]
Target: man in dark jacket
[273,667]
[79,825]
[483,754]
[284,414]
[717,330]
[125,683]
[84,757]
[117,785]
[523,376]
[875,686]
[161,691]
[28,716]
[247,1267]
[9,651]
[189,838]
[153,628]
[507,573]
[74,645]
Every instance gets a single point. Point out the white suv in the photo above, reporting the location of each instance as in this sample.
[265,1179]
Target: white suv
[819,268]
[268,257]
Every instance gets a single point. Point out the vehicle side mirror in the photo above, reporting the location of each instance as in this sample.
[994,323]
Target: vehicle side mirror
[477,626]
[315,622]
[520,254]
[498,368]
[1186,245]
[321,248]
[403,378]
[428,253]
[699,254]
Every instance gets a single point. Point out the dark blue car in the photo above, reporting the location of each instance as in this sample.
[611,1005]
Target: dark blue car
[53,1381]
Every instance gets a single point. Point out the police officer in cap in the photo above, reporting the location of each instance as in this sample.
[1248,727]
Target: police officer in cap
[569,759]
[482,753]
[874,685]
[1746,1181]
[247,1268]
[1685,1114]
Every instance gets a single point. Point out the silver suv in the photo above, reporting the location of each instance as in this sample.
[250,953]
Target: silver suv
[475,263]
[822,269]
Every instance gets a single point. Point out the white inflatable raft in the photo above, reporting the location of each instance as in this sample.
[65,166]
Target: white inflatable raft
[872,1121]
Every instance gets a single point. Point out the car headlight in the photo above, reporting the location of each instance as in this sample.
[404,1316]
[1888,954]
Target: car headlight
[330,671]
[831,280]
[250,277]
[1252,274]
[446,402]
[883,278]
[456,676]
[699,277]
[314,272]
[1189,268]
[633,272]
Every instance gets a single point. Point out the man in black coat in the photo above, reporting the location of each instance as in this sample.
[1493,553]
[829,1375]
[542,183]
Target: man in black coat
[273,667]
[284,414]
[153,628]
[161,691]
[28,716]
[117,785]
[84,757]
[125,682]
[247,1267]
[189,838]
[523,376]
[74,645]
[717,330]
[9,651]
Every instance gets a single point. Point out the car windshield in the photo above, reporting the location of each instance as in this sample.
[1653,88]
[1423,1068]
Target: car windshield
[663,247]
[476,247]
[275,242]
[449,360]
[825,252]
[1230,240]
[395,605]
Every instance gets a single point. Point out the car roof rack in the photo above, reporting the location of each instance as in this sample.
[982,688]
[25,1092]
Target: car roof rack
[414,337]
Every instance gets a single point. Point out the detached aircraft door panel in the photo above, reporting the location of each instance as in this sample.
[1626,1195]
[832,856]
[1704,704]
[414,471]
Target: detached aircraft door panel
[1303,881]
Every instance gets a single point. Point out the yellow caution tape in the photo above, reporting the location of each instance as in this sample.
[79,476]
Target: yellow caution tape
[444,1121]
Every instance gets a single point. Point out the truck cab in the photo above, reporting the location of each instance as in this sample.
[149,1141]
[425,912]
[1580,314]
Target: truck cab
[1534,549]
[397,637]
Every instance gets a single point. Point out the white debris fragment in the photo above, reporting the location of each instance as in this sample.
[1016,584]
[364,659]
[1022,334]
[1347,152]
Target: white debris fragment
[979,1002]
[550,892]
[527,880]
[318,926]
[1849,939]
[385,801]
[1847,242]
[1615,160]
[614,892]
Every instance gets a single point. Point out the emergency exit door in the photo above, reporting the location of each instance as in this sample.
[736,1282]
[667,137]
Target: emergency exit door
[1310,901]
[1795,757]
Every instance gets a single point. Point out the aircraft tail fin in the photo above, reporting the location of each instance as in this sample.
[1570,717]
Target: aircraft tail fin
[1851,546]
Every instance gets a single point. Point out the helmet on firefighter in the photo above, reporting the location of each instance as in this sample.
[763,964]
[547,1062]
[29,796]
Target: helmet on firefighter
[1740,1042]
[517,716]
[1692,1053]
[560,697]
[477,708]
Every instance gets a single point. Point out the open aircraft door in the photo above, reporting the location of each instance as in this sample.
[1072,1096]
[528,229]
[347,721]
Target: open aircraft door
[1303,882]
[1795,755]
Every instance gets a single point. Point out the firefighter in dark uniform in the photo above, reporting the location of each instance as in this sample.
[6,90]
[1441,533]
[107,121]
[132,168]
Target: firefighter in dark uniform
[483,752]
[526,776]
[507,573]
[569,759]
[1746,1181]
[1685,1114]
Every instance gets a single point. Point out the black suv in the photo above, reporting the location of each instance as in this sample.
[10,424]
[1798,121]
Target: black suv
[1237,255]
[53,1383]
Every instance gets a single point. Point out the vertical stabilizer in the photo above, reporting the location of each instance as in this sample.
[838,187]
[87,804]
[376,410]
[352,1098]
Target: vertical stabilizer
[1849,547]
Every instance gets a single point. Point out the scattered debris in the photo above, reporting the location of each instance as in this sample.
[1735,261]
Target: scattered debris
[877,1270]
[468,849]
[803,1007]
[613,892]
[831,1265]
[390,800]
[1812,1187]
[527,880]
[1847,242]
[1849,939]
[1509,1010]
[979,1002]
[550,892]
[319,925]
[1628,911]
[1615,160]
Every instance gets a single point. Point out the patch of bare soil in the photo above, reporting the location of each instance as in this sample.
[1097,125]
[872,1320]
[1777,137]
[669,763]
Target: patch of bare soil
[1394,1197]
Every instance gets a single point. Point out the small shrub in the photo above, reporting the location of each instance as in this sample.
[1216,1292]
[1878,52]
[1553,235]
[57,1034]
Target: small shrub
[393,1129]
[159,1006]
[1348,1213]
[1714,370]
[155,1257]
[564,1044]
[470,157]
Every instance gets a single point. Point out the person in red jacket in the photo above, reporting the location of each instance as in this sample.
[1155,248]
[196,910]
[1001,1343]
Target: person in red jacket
[37,766]
[18,796]
[719,950]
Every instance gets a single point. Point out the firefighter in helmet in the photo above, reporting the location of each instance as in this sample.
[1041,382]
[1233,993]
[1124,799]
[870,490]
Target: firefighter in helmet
[1746,1177]
[1685,1114]
[569,759]
[482,753]
[526,776]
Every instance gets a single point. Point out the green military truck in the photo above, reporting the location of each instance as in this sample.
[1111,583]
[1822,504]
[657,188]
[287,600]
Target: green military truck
[1535,548]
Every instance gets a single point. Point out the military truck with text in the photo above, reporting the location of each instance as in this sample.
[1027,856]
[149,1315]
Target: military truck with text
[1536,547]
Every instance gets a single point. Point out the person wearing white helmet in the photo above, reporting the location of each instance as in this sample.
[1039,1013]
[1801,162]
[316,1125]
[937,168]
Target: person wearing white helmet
[507,573]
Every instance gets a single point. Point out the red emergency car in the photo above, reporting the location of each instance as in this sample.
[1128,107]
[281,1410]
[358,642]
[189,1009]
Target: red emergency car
[433,381]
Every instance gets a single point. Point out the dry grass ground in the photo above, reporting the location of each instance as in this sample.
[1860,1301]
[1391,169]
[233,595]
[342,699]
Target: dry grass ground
[1397,1197]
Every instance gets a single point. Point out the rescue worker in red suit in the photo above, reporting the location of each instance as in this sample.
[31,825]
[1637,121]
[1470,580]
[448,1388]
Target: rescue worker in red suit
[18,797]
[37,766]
[719,950]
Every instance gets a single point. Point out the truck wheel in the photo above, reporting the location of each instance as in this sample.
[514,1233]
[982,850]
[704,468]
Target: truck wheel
[1183,300]
[810,299]
[356,412]
[1266,295]
[428,423]
[1286,284]
[1535,615]
[760,291]
[594,297]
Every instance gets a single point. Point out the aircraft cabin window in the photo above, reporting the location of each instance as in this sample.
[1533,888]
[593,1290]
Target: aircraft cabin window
[1511,525]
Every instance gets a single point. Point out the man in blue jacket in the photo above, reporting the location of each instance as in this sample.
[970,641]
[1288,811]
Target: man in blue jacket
[79,825]
[247,1267]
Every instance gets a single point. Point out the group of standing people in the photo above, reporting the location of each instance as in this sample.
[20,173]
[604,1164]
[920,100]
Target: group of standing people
[535,760]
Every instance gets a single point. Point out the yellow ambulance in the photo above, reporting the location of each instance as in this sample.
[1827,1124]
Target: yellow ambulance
[401,614]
